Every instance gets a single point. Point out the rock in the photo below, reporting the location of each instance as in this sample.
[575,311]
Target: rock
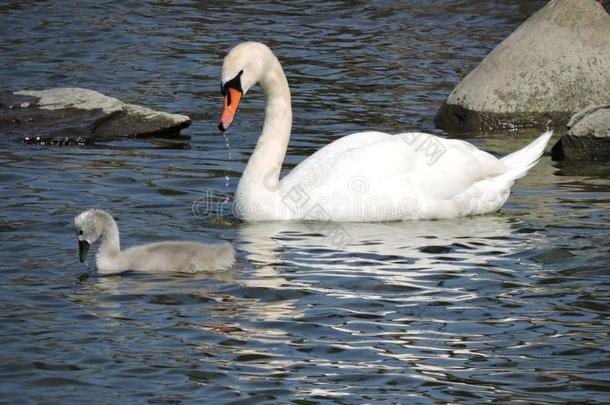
[556,63]
[588,136]
[63,116]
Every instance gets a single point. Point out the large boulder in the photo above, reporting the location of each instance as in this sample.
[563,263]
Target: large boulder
[556,63]
[588,136]
[63,116]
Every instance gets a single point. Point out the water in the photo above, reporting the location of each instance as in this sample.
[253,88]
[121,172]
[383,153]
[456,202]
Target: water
[509,307]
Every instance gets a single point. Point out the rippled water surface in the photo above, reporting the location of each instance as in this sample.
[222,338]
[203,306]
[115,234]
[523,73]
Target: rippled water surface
[507,307]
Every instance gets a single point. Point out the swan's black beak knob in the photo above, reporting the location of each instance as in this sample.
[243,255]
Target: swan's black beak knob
[83,249]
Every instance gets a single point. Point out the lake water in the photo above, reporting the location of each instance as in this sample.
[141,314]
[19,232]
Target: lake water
[509,308]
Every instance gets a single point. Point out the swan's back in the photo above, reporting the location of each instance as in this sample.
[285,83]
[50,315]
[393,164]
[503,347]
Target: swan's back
[389,174]
[179,257]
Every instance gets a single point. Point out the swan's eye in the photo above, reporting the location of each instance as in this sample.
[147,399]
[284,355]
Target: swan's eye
[80,232]
[234,83]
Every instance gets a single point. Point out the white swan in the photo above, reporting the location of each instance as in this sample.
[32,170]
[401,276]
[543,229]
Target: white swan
[366,176]
[163,256]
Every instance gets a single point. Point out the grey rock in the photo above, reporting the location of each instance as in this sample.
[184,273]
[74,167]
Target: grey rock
[63,116]
[556,63]
[588,136]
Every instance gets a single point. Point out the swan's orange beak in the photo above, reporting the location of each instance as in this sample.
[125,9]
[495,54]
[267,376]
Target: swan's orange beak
[231,102]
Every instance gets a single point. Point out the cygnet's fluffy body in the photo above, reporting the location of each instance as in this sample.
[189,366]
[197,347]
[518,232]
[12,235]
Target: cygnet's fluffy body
[155,257]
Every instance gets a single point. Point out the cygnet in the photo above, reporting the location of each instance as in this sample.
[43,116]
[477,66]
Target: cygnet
[155,257]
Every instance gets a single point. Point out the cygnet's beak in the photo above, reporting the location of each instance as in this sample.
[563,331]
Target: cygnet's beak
[83,249]
[231,102]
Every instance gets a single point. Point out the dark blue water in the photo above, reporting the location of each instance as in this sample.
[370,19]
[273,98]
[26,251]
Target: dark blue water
[509,308]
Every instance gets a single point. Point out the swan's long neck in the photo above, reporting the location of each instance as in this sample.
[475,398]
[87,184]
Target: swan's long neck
[262,174]
[110,244]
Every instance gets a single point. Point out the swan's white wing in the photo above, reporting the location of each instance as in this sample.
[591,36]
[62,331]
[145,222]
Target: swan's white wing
[451,167]
[385,172]
[317,168]
[334,150]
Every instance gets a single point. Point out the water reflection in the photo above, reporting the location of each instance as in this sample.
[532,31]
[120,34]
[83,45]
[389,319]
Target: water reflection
[114,296]
[402,261]
[443,245]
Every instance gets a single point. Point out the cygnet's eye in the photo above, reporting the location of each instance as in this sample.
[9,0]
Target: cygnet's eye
[80,232]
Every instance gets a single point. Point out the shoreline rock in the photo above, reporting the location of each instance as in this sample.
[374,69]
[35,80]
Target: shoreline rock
[69,116]
[554,64]
[588,137]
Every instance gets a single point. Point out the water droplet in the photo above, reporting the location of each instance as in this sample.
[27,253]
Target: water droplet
[227,177]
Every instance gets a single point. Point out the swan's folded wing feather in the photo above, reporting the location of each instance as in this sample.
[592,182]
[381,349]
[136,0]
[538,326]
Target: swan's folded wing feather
[179,256]
[456,169]
[323,159]
[394,166]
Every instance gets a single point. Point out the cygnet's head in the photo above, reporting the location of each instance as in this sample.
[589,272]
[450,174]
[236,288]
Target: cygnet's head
[89,227]
[242,68]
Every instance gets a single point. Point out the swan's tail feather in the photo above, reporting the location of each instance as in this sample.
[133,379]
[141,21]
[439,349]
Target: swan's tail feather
[521,161]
